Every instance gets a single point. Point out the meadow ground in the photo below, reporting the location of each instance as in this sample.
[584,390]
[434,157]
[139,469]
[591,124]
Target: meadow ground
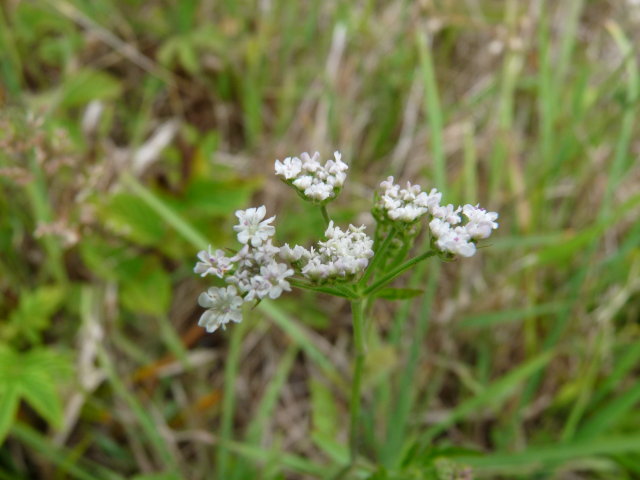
[131,131]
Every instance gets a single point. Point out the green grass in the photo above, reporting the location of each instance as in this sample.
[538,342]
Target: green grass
[521,363]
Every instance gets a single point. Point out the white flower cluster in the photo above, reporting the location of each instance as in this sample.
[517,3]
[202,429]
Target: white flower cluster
[253,273]
[316,182]
[342,255]
[406,204]
[409,204]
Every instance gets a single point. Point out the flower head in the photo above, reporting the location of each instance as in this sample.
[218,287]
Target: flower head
[223,306]
[212,263]
[481,222]
[251,228]
[406,204]
[316,182]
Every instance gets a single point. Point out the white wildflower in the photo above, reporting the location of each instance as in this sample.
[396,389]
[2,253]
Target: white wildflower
[252,228]
[457,241]
[317,182]
[289,168]
[212,263]
[343,253]
[481,222]
[223,306]
[448,213]
[406,204]
[294,254]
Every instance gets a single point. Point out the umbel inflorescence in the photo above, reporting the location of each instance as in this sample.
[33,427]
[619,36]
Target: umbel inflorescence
[260,269]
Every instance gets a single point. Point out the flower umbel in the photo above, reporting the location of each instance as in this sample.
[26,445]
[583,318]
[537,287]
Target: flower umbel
[223,306]
[315,182]
[262,270]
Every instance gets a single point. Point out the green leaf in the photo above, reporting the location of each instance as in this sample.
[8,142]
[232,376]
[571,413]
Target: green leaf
[398,293]
[8,406]
[493,395]
[129,216]
[157,476]
[536,458]
[31,376]
[146,287]
[38,389]
[87,85]
[34,312]
[611,414]
[323,409]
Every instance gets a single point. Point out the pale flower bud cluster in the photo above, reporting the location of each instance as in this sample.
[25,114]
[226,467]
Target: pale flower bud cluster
[252,274]
[460,239]
[315,182]
[342,255]
[408,204]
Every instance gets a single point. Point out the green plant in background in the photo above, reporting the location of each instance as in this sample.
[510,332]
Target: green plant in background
[345,264]
[520,363]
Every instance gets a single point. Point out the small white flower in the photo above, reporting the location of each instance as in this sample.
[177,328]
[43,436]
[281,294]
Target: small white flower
[294,254]
[406,204]
[317,182]
[215,263]
[304,182]
[252,228]
[289,168]
[481,222]
[457,241]
[342,253]
[276,274]
[448,213]
[223,305]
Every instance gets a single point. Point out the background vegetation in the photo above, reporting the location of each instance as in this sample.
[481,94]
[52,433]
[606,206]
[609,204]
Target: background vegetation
[131,131]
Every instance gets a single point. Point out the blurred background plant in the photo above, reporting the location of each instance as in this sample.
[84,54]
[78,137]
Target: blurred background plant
[131,131]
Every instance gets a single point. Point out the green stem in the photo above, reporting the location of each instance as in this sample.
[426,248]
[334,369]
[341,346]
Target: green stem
[357,310]
[317,288]
[397,271]
[378,255]
[325,214]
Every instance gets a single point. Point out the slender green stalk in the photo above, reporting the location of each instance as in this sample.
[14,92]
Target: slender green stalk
[357,310]
[397,271]
[337,291]
[325,214]
[378,255]
[228,399]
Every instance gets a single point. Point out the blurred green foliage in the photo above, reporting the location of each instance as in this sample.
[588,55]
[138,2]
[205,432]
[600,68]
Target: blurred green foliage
[522,365]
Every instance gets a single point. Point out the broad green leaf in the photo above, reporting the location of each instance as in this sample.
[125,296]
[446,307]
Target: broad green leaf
[129,216]
[146,288]
[37,388]
[85,85]
[398,293]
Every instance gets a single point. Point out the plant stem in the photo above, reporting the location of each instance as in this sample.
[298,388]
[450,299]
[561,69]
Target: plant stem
[325,214]
[378,255]
[397,271]
[357,311]
[338,292]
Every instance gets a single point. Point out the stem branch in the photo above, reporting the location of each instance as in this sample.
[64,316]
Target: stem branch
[325,214]
[397,271]
[357,310]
